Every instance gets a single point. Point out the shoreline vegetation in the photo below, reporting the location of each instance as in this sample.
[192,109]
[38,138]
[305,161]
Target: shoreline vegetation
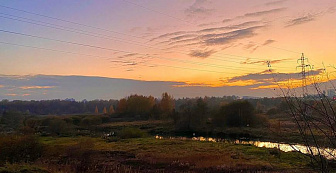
[146,154]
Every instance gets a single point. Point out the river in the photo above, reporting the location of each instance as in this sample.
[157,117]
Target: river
[328,153]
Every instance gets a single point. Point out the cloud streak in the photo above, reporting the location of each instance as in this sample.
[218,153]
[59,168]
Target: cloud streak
[267,76]
[265,12]
[212,37]
[198,9]
[309,17]
[230,37]
[275,2]
[301,20]
[201,53]
[267,42]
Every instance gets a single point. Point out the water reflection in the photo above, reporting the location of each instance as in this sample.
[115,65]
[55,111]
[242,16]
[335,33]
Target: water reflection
[329,153]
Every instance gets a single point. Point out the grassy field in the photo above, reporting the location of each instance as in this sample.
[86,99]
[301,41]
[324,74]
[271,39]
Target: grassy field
[87,154]
[135,149]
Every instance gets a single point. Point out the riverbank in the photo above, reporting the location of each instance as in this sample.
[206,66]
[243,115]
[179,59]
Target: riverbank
[286,133]
[152,155]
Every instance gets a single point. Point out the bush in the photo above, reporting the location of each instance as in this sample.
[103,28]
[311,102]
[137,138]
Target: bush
[76,120]
[91,120]
[12,120]
[16,149]
[131,133]
[236,114]
[56,126]
[272,111]
[19,168]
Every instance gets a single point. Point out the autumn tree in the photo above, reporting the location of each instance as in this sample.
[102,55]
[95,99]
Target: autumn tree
[167,105]
[140,105]
[122,106]
[111,110]
[96,110]
[104,110]
[193,115]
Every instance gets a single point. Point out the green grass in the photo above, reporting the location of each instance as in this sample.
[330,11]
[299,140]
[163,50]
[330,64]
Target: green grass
[200,154]
[21,168]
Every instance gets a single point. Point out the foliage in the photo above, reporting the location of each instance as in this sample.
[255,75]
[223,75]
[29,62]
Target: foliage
[15,149]
[22,168]
[55,107]
[192,116]
[236,114]
[165,155]
[12,120]
[166,106]
[111,110]
[131,133]
[140,105]
[91,120]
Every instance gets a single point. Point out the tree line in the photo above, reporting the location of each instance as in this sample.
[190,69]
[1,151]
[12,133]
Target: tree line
[187,114]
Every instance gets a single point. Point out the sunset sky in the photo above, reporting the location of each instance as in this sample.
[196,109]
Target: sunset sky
[109,49]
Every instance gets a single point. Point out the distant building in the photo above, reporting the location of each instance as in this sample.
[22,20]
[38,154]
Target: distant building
[70,99]
[249,97]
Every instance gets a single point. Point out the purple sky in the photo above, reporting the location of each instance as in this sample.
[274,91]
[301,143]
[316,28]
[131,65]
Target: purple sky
[193,47]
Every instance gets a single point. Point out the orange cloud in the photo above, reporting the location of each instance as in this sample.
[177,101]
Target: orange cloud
[194,85]
[266,87]
[221,83]
[36,87]
[11,94]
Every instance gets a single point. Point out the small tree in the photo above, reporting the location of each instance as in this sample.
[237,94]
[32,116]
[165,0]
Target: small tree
[111,110]
[104,110]
[96,111]
[166,105]
[122,106]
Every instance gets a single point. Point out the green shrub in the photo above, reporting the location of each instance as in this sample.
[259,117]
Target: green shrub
[91,120]
[236,114]
[19,168]
[272,111]
[56,126]
[131,133]
[16,149]
[105,119]
[76,120]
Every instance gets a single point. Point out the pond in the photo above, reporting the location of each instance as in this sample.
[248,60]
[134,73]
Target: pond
[328,153]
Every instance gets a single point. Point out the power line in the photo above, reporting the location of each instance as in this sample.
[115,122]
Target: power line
[55,50]
[67,21]
[92,46]
[62,41]
[73,30]
[79,24]
[89,34]
[149,9]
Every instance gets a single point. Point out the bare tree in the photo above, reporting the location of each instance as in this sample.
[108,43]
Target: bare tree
[314,114]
